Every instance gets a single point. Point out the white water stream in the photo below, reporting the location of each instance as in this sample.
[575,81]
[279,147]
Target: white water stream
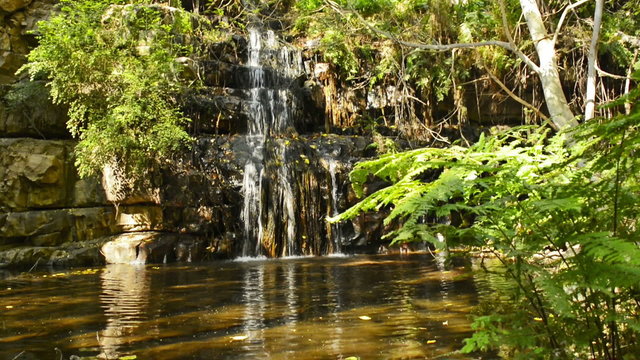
[271,116]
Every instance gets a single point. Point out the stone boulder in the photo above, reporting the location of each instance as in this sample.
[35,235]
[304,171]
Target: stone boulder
[152,247]
[39,174]
[56,227]
[85,253]
[33,174]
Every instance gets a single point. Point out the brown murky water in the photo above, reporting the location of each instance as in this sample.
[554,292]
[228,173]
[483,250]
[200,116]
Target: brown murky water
[368,307]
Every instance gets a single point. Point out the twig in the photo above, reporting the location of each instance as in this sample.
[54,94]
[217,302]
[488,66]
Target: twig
[512,43]
[632,40]
[516,97]
[564,14]
[604,73]
[34,265]
[17,356]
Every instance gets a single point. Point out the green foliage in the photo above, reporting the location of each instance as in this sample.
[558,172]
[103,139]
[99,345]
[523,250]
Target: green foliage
[114,64]
[338,51]
[361,55]
[559,212]
[434,77]
[308,5]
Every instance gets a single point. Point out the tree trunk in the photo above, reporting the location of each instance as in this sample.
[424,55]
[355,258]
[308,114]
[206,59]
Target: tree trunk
[561,115]
[592,58]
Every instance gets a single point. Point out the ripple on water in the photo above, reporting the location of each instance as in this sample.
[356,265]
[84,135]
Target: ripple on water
[374,307]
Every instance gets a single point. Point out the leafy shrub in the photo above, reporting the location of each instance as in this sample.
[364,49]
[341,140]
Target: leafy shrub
[114,64]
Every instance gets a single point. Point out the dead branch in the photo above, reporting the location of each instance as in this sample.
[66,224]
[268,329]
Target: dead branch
[516,97]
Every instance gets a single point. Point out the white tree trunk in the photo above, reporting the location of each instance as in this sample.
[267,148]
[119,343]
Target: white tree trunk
[592,58]
[561,114]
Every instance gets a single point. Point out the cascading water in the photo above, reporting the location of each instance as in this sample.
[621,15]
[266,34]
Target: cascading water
[253,169]
[337,235]
[271,116]
[285,196]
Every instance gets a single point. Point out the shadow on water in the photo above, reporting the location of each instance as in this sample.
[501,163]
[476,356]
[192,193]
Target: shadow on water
[372,307]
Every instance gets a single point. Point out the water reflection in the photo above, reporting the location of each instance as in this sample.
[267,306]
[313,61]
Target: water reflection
[255,308]
[371,307]
[335,304]
[124,299]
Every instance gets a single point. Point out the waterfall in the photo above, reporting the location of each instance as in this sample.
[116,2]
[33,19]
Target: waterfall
[337,231]
[272,109]
[253,169]
[286,198]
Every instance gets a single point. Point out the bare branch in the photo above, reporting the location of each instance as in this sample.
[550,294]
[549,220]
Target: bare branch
[563,16]
[632,40]
[517,98]
[608,74]
[512,43]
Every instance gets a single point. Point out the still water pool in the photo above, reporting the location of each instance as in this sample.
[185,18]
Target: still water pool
[368,307]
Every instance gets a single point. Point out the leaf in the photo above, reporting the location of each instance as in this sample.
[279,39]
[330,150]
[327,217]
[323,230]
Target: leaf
[567,204]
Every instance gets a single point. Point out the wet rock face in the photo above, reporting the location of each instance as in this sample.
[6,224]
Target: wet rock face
[17,19]
[55,227]
[34,174]
[13,5]
[68,254]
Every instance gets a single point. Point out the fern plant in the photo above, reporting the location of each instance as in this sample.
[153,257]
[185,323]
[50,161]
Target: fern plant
[562,222]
